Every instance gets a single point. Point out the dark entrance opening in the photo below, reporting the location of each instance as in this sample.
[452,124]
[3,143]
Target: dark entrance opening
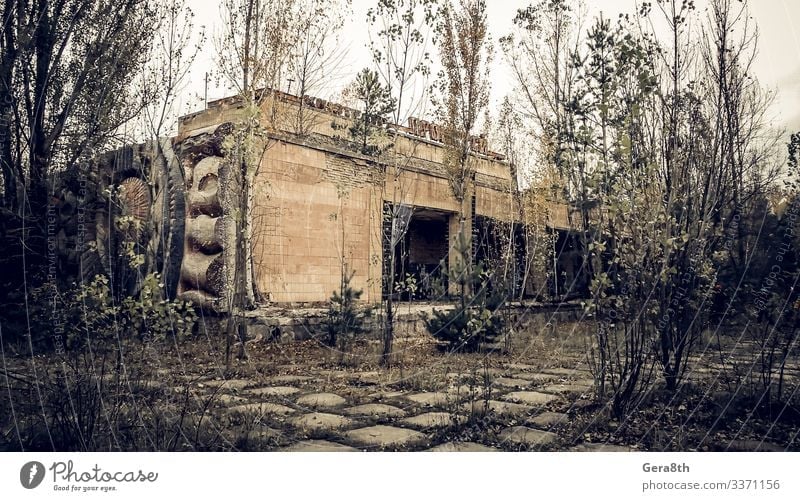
[422,246]
[500,247]
[570,280]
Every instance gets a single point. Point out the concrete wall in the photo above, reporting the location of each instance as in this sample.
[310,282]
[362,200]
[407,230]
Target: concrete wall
[313,212]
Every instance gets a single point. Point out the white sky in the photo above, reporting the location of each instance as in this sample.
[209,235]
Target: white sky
[777,66]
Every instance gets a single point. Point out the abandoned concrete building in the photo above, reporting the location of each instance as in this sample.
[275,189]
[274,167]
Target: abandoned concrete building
[318,206]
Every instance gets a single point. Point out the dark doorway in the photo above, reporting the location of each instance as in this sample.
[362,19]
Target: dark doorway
[570,280]
[420,251]
[500,247]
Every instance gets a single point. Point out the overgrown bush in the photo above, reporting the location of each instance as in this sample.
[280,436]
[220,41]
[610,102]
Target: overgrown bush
[88,315]
[103,401]
[97,385]
[465,329]
[151,314]
[770,302]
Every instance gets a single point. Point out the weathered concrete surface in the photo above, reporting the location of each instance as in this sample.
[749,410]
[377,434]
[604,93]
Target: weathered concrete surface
[567,388]
[498,407]
[290,378]
[529,397]
[548,420]
[380,436]
[319,446]
[387,395]
[260,437]
[273,391]
[262,409]
[511,382]
[522,435]
[235,385]
[375,410]
[434,399]
[522,367]
[321,400]
[566,372]
[433,420]
[536,377]
[321,421]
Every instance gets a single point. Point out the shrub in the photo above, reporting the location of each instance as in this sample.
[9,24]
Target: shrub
[151,314]
[93,390]
[345,319]
[465,329]
[88,315]
[476,318]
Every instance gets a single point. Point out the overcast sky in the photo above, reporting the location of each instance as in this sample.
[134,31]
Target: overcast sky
[777,66]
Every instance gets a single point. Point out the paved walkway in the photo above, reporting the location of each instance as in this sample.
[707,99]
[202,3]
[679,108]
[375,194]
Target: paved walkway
[340,410]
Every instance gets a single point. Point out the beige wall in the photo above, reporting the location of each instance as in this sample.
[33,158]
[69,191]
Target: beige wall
[495,204]
[421,190]
[305,225]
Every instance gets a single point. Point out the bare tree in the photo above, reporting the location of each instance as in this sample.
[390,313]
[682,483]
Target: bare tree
[744,164]
[399,38]
[316,57]
[253,53]
[176,46]
[666,145]
[714,159]
[463,91]
[531,194]
[254,47]
[539,52]
[65,87]
[612,171]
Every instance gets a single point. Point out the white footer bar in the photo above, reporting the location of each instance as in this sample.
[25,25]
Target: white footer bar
[401,476]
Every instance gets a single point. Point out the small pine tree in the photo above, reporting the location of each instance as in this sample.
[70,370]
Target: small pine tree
[346,319]
[476,318]
[376,104]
